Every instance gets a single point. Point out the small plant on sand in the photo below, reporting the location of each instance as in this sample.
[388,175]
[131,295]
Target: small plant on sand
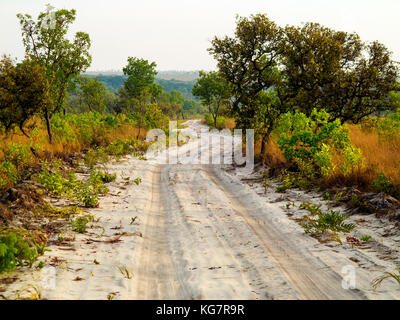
[386,275]
[80,224]
[125,272]
[365,238]
[107,177]
[324,221]
[137,181]
[313,209]
[266,182]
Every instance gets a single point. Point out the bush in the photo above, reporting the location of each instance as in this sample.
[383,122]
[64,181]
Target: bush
[107,177]
[80,224]
[385,184]
[8,170]
[319,223]
[15,251]
[53,182]
[85,192]
[18,154]
[312,142]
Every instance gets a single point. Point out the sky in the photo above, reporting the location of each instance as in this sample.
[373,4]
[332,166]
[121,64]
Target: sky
[176,33]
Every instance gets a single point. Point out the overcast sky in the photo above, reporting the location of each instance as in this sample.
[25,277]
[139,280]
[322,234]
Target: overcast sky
[176,33]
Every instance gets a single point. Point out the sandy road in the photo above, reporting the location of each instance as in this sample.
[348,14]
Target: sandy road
[204,242]
[199,233]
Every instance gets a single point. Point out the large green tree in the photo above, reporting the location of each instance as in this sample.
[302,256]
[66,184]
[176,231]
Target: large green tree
[336,71]
[249,62]
[91,95]
[141,75]
[46,41]
[24,92]
[214,92]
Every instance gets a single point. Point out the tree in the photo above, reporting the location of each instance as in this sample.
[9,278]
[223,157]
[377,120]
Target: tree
[91,96]
[24,92]
[63,59]
[177,99]
[213,91]
[336,71]
[140,74]
[249,62]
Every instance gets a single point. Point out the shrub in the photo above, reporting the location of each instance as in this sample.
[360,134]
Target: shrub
[312,142]
[107,177]
[80,224]
[8,170]
[18,154]
[53,182]
[15,250]
[91,158]
[332,220]
[385,184]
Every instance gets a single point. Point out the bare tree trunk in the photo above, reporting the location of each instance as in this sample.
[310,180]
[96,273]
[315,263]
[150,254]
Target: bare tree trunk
[138,131]
[21,127]
[48,125]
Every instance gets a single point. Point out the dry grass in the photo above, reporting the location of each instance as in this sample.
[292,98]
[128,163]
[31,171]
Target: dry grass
[229,123]
[380,154]
[63,149]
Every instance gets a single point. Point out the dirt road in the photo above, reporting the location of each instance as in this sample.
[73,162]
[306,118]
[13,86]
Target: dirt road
[193,231]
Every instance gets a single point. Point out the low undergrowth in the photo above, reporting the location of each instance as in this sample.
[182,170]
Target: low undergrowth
[18,248]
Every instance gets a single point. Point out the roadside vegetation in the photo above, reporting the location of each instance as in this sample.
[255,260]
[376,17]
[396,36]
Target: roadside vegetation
[58,130]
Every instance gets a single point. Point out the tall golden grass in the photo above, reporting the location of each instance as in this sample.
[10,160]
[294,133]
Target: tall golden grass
[63,149]
[380,155]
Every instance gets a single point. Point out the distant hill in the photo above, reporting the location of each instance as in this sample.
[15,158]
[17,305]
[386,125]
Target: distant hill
[113,82]
[164,75]
[178,75]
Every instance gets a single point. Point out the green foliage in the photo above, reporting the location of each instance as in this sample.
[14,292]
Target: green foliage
[8,170]
[52,180]
[137,181]
[365,238]
[218,124]
[140,74]
[91,96]
[313,209]
[389,126]
[85,192]
[323,221]
[17,250]
[62,58]
[108,177]
[291,180]
[214,92]
[80,224]
[385,184]
[91,158]
[313,141]
[322,66]
[24,92]
[62,129]
[18,154]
